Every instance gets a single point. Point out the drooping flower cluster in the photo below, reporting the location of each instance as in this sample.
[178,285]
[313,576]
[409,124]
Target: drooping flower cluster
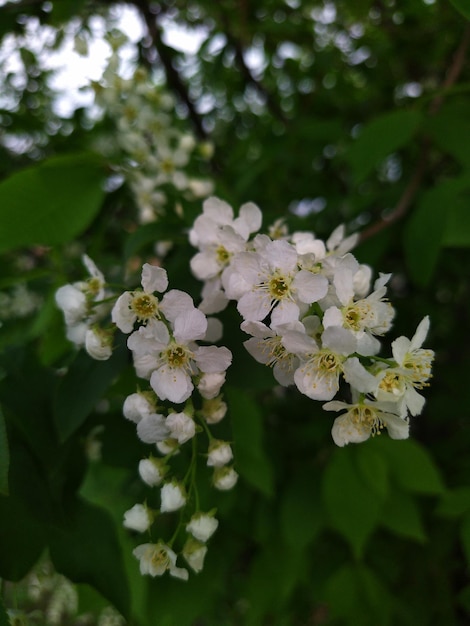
[84,305]
[313,317]
[156,157]
[181,372]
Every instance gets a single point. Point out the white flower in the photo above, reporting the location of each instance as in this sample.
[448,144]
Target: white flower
[171,361]
[156,559]
[266,347]
[364,419]
[181,427]
[220,453]
[274,283]
[413,370]
[173,497]
[194,553]
[318,373]
[214,410]
[73,303]
[209,384]
[99,343]
[224,478]
[152,428]
[132,306]
[202,526]
[138,405]
[138,518]
[152,471]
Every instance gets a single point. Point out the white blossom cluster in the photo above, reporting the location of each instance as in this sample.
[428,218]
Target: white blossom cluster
[156,155]
[84,305]
[314,317]
[179,370]
[19,302]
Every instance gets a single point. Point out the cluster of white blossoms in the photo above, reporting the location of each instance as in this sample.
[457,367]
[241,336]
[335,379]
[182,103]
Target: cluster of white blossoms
[180,372]
[314,317]
[84,305]
[156,155]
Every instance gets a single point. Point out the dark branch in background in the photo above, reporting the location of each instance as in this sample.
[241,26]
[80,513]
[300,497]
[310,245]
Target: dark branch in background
[166,55]
[247,74]
[414,184]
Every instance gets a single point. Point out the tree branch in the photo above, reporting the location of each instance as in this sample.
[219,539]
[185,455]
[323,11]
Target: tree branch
[414,184]
[166,57]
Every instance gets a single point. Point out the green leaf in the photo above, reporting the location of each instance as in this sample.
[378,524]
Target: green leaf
[373,468]
[454,503]
[353,507]
[356,594]
[302,516]
[4,456]
[449,128]
[52,202]
[411,465]
[84,384]
[424,233]
[457,232]
[401,515]
[465,537]
[87,550]
[250,457]
[379,138]
[4,619]
[462,7]
[22,538]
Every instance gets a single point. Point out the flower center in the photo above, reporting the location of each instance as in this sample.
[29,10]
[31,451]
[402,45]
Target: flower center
[392,383]
[328,362]
[167,165]
[366,418]
[144,305]
[160,559]
[279,287]
[418,367]
[177,356]
[223,256]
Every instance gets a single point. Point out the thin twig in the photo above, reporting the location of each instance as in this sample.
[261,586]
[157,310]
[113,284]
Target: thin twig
[414,184]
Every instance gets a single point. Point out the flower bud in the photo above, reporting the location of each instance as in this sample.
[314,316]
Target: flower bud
[224,478]
[202,526]
[138,518]
[220,453]
[152,471]
[173,497]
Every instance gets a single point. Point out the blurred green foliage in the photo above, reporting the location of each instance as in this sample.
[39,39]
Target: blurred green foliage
[322,113]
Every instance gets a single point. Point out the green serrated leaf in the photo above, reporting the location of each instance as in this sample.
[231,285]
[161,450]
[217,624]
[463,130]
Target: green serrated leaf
[250,457]
[353,507]
[379,138]
[411,465]
[50,203]
[401,516]
[454,503]
[83,386]
[4,456]
[87,550]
